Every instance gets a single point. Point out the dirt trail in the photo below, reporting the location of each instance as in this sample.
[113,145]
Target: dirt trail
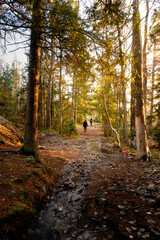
[102,193]
[58,220]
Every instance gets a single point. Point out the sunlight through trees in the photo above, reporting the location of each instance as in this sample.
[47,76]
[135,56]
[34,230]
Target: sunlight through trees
[83,59]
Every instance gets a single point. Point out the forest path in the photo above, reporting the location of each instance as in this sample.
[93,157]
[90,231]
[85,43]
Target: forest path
[84,154]
[102,193]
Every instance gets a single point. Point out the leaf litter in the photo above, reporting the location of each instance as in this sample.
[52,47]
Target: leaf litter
[101,193]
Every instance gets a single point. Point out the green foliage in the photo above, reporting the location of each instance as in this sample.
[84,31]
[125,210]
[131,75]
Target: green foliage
[39,174]
[99,192]
[10,181]
[15,181]
[154,154]
[156,133]
[12,91]
[19,209]
[23,194]
[31,151]
[6,85]
[48,170]
[69,129]
[30,160]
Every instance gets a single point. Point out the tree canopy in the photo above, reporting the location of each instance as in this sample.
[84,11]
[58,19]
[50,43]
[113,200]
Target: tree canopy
[84,61]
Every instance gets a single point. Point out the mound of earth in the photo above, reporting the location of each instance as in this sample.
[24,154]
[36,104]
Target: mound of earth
[9,134]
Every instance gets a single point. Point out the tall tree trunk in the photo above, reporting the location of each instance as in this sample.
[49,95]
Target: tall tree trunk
[40,99]
[145,56]
[31,125]
[142,145]
[133,107]
[152,87]
[44,100]
[108,98]
[125,124]
[106,110]
[118,113]
[76,103]
[68,103]
[72,104]
[60,95]
[52,82]
[48,119]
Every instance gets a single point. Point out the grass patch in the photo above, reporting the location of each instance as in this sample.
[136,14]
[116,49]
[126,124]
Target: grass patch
[30,160]
[11,181]
[15,181]
[39,174]
[154,154]
[23,194]
[19,209]
[99,192]
[48,170]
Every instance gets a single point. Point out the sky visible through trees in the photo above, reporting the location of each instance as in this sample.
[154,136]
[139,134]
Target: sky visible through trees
[88,55]
[12,51]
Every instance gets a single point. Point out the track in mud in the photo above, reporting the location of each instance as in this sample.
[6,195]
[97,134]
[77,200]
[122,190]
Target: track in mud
[59,218]
[102,194]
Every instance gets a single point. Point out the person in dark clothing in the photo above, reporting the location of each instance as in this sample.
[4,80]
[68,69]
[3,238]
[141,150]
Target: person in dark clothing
[91,122]
[85,125]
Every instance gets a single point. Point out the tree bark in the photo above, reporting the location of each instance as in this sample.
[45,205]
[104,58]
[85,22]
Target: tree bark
[125,124]
[72,104]
[40,100]
[142,145]
[60,95]
[152,87]
[145,56]
[31,125]
[106,110]
[76,103]
[48,119]
[52,82]
[44,100]
[133,107]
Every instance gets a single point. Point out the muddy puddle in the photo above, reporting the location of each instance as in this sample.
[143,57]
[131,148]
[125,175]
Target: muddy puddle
[63,210]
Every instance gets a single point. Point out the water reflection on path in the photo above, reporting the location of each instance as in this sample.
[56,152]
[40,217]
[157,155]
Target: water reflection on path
[60,215]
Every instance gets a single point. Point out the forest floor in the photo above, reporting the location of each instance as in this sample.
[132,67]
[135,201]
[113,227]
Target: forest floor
[94,190]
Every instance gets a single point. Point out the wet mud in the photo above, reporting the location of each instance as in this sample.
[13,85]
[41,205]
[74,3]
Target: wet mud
[64,209]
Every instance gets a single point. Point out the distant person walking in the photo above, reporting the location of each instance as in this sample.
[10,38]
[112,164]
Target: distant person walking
[85,125]
[91,122]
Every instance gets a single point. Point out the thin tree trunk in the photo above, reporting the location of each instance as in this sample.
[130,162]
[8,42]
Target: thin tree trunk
[118,113]
[145,57]
[125,115]
[76,104]
[133,105]
[152,89]
[44,100]
[142,145]
[60,95]
[72,104]
[52,83]
[40,99]
[68,104]
[48,119]
[125,124]
[106,110]
[108,97]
